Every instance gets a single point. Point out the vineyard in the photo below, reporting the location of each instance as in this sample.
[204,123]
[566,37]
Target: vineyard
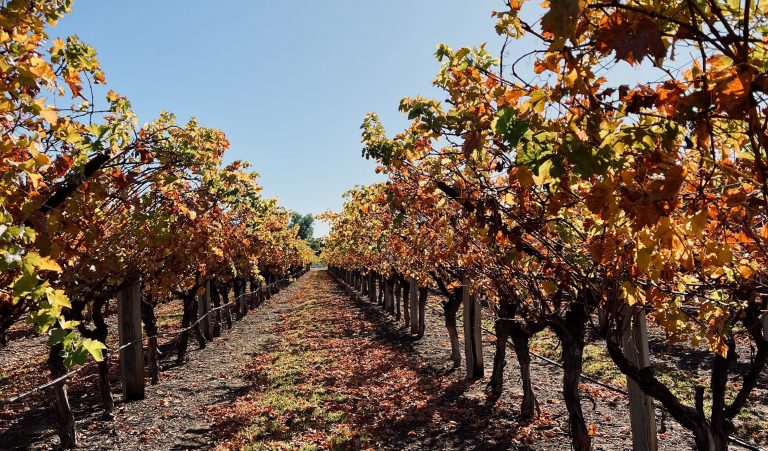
[566,249]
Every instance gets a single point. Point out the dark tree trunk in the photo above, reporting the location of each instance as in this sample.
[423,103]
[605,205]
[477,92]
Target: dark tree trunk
[502,327]
[406,295]
[382,289]
[239,284]
[100,334]
[223,290]
[252,299]
[450,310]
[423,294]
[150,328]
[216,303]
[722,427]
[271,285]
[234,305]
[521,342]
[65,420]
[197,328]
[571,331]
[396,284]
[187,319]
[371,287]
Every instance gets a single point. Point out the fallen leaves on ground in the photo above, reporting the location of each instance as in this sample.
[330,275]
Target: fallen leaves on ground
[334,377]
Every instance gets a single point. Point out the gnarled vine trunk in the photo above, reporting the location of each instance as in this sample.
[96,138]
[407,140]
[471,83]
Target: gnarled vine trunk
[521,338]
[65,420]
[188,318]
[450,310]
[571,331]
[150,328]
[502,330]
[396,288]
[423,294]
[216,303]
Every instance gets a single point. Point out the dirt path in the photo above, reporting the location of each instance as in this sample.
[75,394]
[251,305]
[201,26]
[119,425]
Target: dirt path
[340,373]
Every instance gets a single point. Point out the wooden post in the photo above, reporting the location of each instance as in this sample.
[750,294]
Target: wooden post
[473,339]
[413,305]
[129,329]
[641,411]
[765,325]
[203,308]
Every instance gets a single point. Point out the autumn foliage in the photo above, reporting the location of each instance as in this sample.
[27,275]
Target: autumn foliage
[91,203]
[612,164]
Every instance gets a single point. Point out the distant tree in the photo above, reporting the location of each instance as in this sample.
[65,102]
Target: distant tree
[305,224]
[317,245]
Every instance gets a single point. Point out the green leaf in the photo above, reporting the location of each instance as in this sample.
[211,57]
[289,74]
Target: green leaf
[42,320]
[506,125]
[77,356]
[31,263]
[24,285]
[462,53]
[57,336]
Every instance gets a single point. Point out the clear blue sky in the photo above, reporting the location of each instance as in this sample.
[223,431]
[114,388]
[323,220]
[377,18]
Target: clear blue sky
[288,81]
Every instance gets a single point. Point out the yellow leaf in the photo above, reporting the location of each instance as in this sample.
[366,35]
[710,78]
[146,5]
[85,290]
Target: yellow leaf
[58,45]
[39,67]
[548,287]
[58,300]
[49,115]
[571,78]
[697,223]
[41,159]
[525,176]
[47,264]
[34,179]
[630,294]
[544,176]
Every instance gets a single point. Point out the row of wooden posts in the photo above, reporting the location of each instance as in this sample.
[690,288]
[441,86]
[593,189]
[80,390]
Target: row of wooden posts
[635,343]
[131,349]
[415,304]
